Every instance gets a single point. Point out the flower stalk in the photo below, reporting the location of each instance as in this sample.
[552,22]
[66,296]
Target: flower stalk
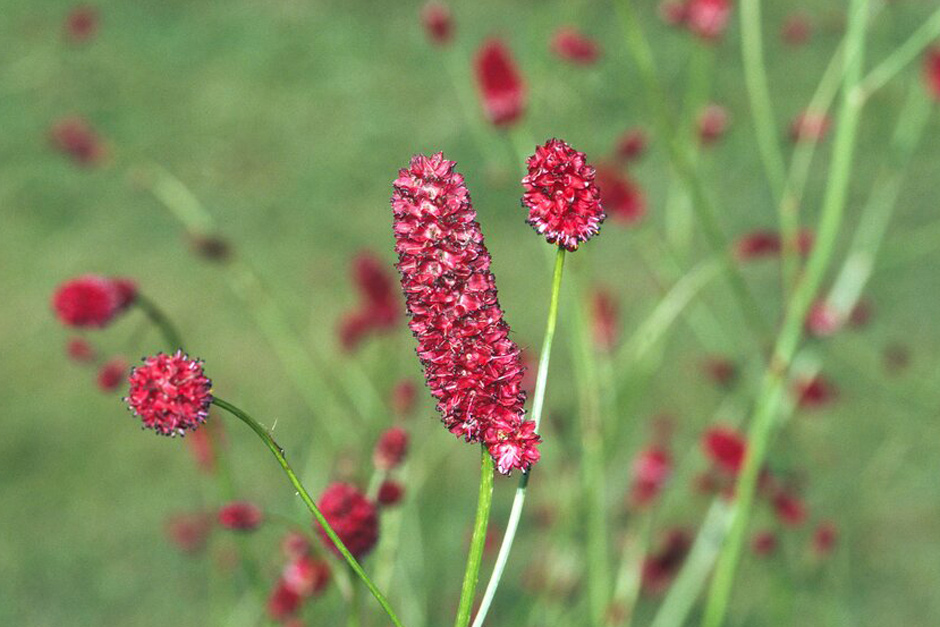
[478,541]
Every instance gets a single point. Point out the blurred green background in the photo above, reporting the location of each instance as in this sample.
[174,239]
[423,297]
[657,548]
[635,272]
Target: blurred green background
[289,120]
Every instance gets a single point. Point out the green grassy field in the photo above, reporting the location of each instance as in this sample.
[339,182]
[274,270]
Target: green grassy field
[288,120]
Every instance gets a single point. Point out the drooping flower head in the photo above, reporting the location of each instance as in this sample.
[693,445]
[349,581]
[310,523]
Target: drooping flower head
[170,393]
[352,516]
[500,84]
[569,44]
[932,71]
[88,301]
[563,201]
[471,366]
[438,23]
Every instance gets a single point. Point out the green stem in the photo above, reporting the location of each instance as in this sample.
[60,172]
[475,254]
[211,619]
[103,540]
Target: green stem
[897,60]
[538,401]
[472,573]
[278,453]
[704,209]
[161,321]
[353,618]
[772,387]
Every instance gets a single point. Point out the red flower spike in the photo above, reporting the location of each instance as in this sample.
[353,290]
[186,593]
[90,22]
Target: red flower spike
[170,394]
[438,23]
[499,82]
[809,126]
[78,349]
[651,469]
[631,145]
[620,196]
[75,137]
[825,538]
[932,71]
[87,301]
[81,24]
[604,318]
[572,46]
[390,493]
[283,602]
[764,543]
[240,516]
[391,449]
[306,576]
[790,509]
[471,365]
[712,123]
[563,201]
[707,18]
[725,447]
[188,532]
[112,374]
[797,29]
[352,516]
[659,569]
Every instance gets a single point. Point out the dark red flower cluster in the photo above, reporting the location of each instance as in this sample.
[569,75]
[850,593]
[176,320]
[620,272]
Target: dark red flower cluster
[651,469]
[564,202]
[81,24]
[605,320]
[725,447]
[303,577]
[622,199]
[75,137]
[378,309]
[932,71]
[92,300]
[471,365]
[391,449]
[500,84]
[809,126]
[240,516]
[170,393]
[660,568]
[814,392]
[438,23]
[112,374]
[632,144]
[390,493]
[352,516]
[571,45]
[712,123]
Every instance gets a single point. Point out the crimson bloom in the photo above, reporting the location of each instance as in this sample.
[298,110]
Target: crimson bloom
[814,392]
[471,365]
[352,516]
[89,301]
[571,45]
[564,202]
[306,576]
[790,509]
[621,197]
[499,82]
[764,543]
[170,393]
[79,349]
[707,18]
[659,569]
[81,24]
[241,516]
[438,23]
[75,137]
[390,493]
[725,447]
[391,449]
[932,71]
[651,469]
[112,374]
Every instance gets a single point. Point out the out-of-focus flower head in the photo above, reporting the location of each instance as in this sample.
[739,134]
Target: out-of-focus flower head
[91,300]
[814,392]
[712,123]
[632,144]
[797,29]
[725,447]
[75,137]
[352,516]
[438,23]
[500,84]
[651,469]
[390,493]
[571,45]
[78,349]
[112,374]
[604,320]
[240,516]
[707,19]
[932,71]
[660,568]
[622,198]
[188,532]
[81,24]
[391,449]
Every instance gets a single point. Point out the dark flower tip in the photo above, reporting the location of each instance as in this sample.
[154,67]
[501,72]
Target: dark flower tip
[170,393]
[563,201]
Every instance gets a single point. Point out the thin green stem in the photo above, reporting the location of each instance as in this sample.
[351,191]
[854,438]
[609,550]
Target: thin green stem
[704,209]
[278,453]
[472,572]
[538,402]
[353,619]
[160,320]
[771,392]
[898,60]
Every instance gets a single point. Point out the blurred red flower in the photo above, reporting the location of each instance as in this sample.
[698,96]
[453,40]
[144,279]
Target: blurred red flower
[352,516]
[438,23]
[112,374]
[499,82]
[391,449]
[797,29]
[604,318]
[809,126]
[932,71]
[660,568]
[75,137]
[725,447]
[81,24]
[240,516]
[390,493]
[707,18]
[632,144]
[621,198]
[712,123]
[571,45]
[651,469]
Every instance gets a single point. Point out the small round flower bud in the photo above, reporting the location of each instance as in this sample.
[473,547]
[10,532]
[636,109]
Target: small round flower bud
[170,394]
[391,449]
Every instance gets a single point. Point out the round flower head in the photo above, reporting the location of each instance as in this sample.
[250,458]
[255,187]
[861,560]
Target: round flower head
[170,393]
[563,201]
[391,449]
[87,301]
[471,366]
[352,516]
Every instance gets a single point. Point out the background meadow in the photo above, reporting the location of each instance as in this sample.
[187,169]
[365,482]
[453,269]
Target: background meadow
[288,121]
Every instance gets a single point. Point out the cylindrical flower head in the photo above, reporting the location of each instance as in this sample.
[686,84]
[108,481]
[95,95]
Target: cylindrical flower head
[563,201]
[170,394]
[500,84]
[471,366]
[352,516]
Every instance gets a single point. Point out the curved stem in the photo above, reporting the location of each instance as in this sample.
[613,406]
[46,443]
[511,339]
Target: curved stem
[772,387]
[538,402]
[161,321]
[472,573]
[278,453]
